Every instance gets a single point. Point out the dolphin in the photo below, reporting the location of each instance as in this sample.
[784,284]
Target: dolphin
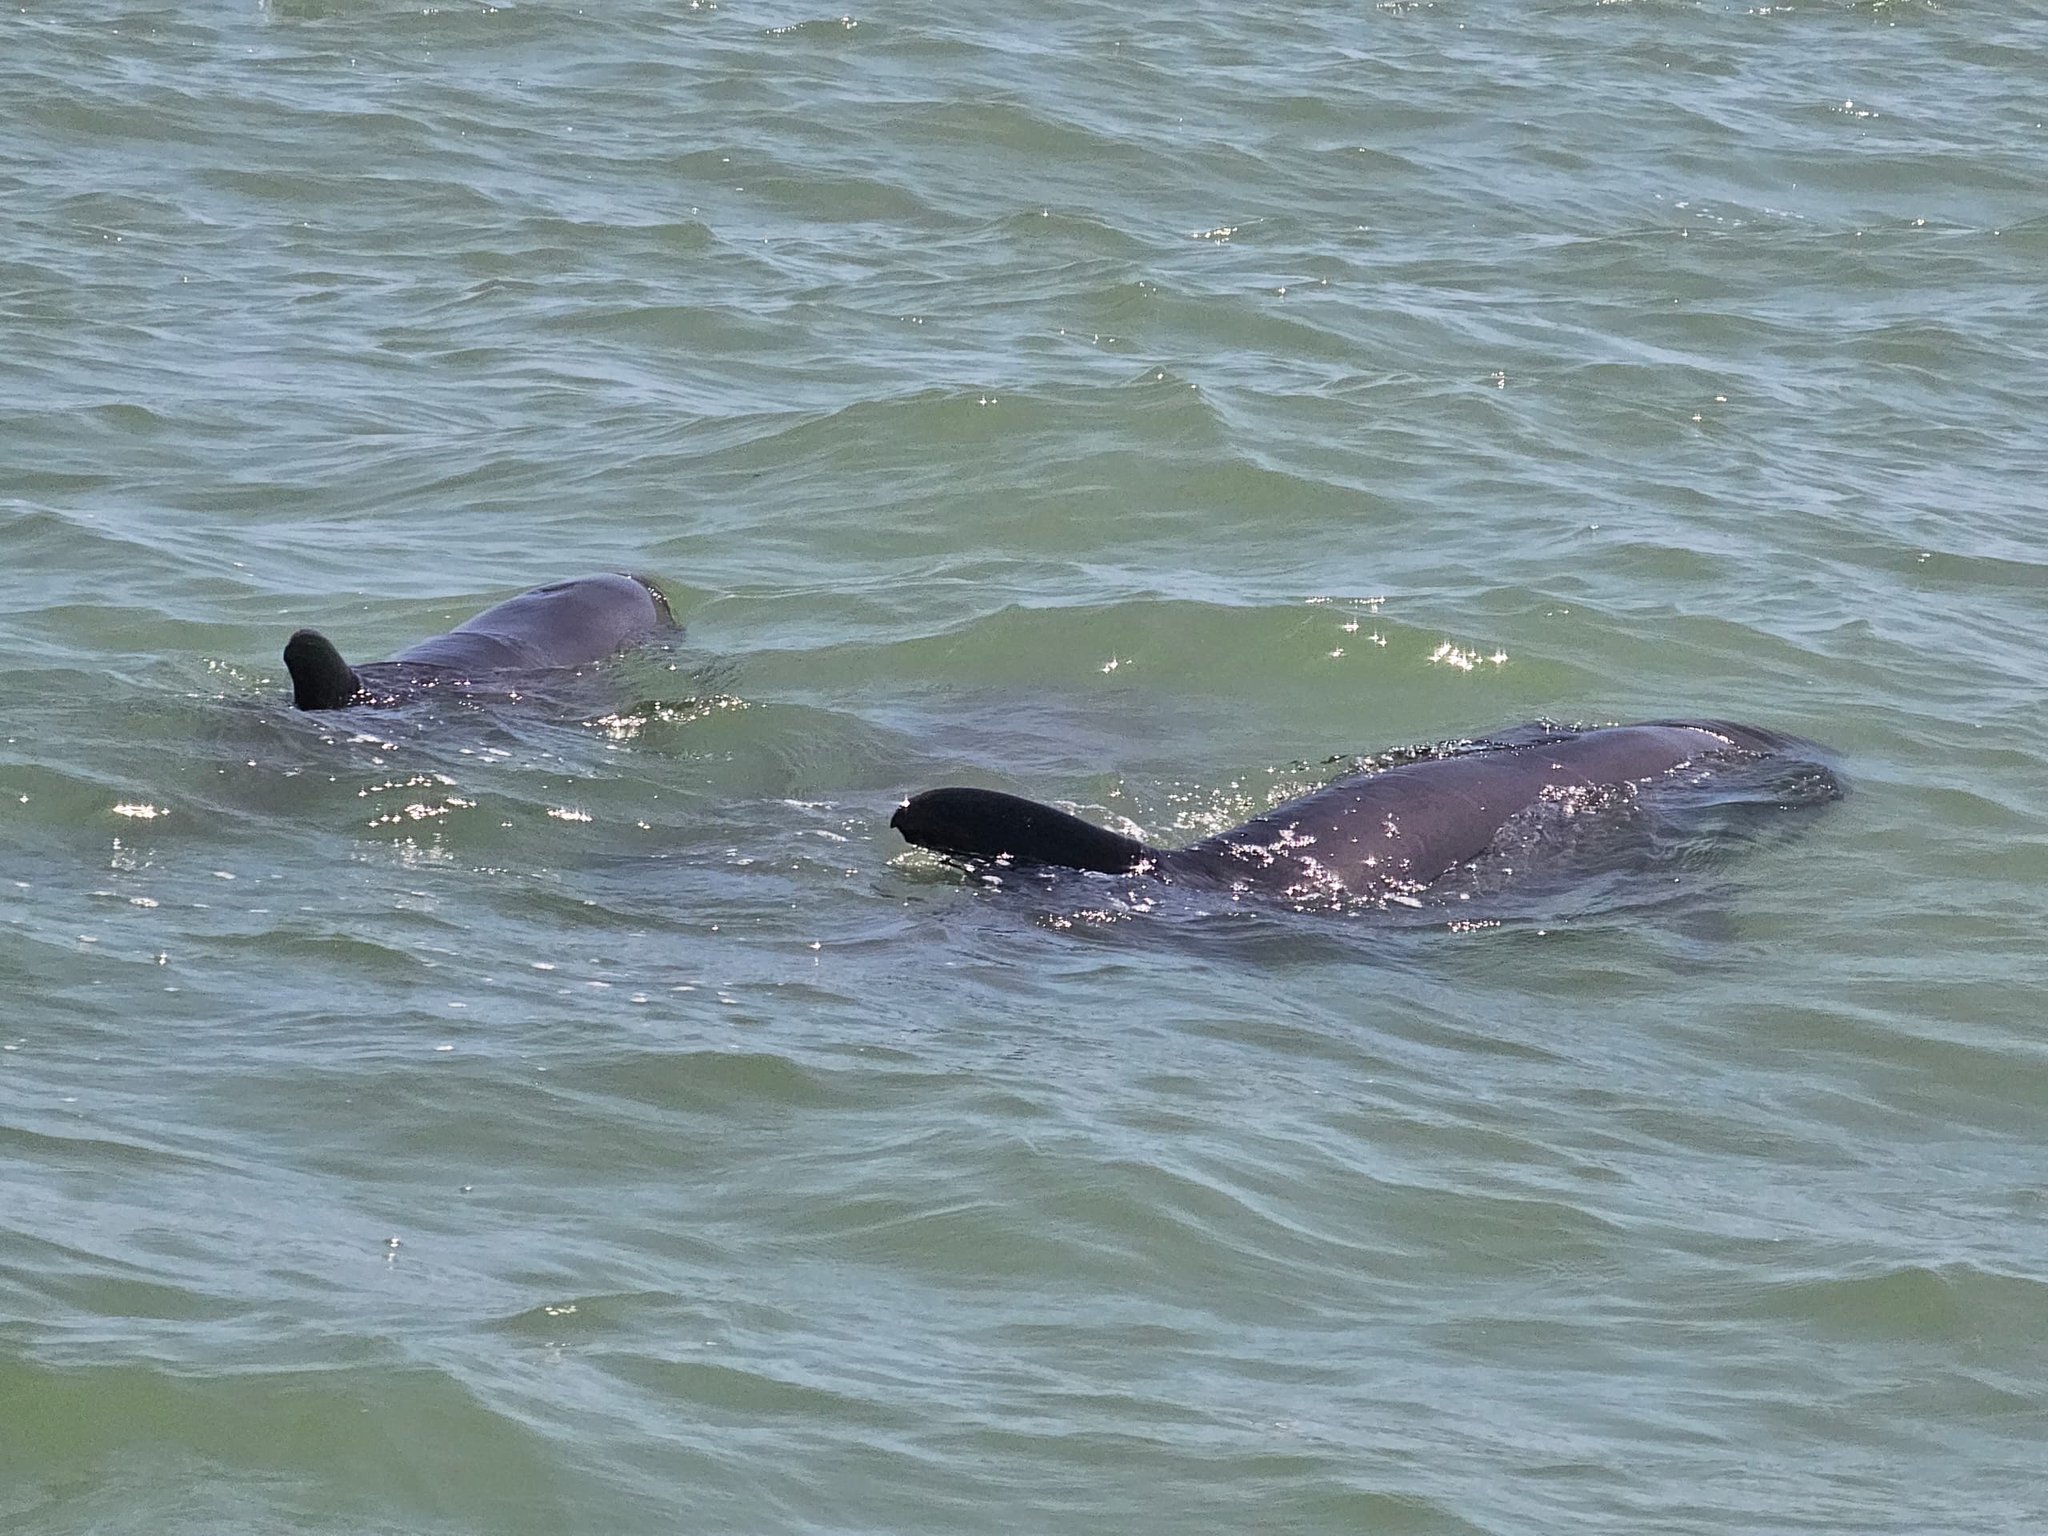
[565,624]
[1368,836]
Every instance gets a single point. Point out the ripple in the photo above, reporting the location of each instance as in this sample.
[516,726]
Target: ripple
[1111,405]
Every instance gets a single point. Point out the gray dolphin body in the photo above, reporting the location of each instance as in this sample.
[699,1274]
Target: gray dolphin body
[564,624]
[1364,837]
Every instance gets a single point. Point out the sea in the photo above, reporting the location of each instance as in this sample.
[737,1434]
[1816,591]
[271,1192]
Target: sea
[578,1113]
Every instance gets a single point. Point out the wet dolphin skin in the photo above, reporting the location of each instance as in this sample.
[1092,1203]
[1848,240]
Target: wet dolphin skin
[564,624]
[1364,836]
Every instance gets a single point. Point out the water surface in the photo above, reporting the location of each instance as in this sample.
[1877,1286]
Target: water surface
[592,1119]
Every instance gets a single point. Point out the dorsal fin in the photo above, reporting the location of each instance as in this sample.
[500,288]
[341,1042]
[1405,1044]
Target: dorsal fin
[987,824]
[320,678]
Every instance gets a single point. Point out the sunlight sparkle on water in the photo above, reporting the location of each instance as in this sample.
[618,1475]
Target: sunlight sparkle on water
[1452,655]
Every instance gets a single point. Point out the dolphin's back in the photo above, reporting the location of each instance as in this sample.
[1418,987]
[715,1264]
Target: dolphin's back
[1404,827]
[1369,835]
[564,624]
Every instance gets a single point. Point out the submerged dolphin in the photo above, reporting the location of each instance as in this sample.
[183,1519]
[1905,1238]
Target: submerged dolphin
[1364,837]
[564,624]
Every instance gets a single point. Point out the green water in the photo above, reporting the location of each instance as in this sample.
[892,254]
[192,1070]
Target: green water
[594,1120]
